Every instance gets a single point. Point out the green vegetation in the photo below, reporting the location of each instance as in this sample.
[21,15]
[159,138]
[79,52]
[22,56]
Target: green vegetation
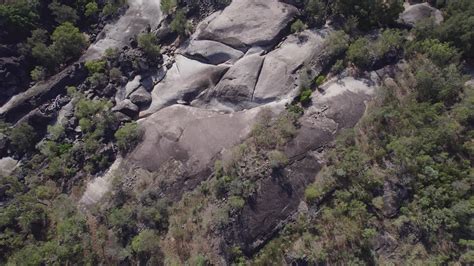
[23,138]
[366,53]
[95,66]
[149,44]
[298,26]
[127,137]
[168,6]
[18,18]
[179,24]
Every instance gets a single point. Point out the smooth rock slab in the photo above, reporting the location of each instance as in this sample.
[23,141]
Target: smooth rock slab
[247,23]
[278,76]
[237,85]
[183,82]
[191,135]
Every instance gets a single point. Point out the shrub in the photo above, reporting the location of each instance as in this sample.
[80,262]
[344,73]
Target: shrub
[63,13]
[298,26]
[115,74]
[277,159]
[146,242]
[91,9]
[111,54]
[68,41]
[149,44]
[38,73]
[316,10]
[359,53]
[127,137]
[95,66]
[312,193]
[236,202]
[179,23]
[23,138]
[167,6]
[305,96]
[438,52]
[336,43]
[369,12]
[338,67]
[320,80]
[17,19]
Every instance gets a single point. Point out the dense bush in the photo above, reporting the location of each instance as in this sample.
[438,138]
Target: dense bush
[297,26]
[127,137]
[149,44]
[17,19]
[367,53]
[167,6]
[369,13]
[63,13]
[68,41]
[179,24]
[23,138]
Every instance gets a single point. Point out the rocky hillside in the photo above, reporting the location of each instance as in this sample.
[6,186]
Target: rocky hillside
[214,132]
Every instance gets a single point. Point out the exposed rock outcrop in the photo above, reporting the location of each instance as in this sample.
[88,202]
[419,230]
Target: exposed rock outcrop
[419,12]
[247,23]
[278,75]
[184,81]
[236,87]
[339,106]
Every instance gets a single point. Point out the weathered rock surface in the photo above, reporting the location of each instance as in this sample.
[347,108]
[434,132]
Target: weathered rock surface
[211,52]
[139,15]
[126,107]
[22,103]
[339,106]
[13,78]
[184,81]
[7,165]
[278,75]
[191,135]
[247,23]
[419,12]
[237,85]
[141,97]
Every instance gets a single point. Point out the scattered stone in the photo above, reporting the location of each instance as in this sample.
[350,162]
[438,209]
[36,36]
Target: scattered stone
[126,107]
[141,97]
[419,12]
[247,23]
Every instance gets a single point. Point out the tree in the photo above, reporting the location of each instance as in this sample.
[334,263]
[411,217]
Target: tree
[316,11]
[145,244]
[68,41]
[17,18]
[369,12]
[179,23]
[23,138]
[297,26]
[167,6]
[63,13]
[149,44]
[91,9]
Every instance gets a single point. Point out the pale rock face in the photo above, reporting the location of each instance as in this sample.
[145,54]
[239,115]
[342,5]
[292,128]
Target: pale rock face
[191,135]
[278,76]
[186,77]
[237,85]
[246,23]
[419,12]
